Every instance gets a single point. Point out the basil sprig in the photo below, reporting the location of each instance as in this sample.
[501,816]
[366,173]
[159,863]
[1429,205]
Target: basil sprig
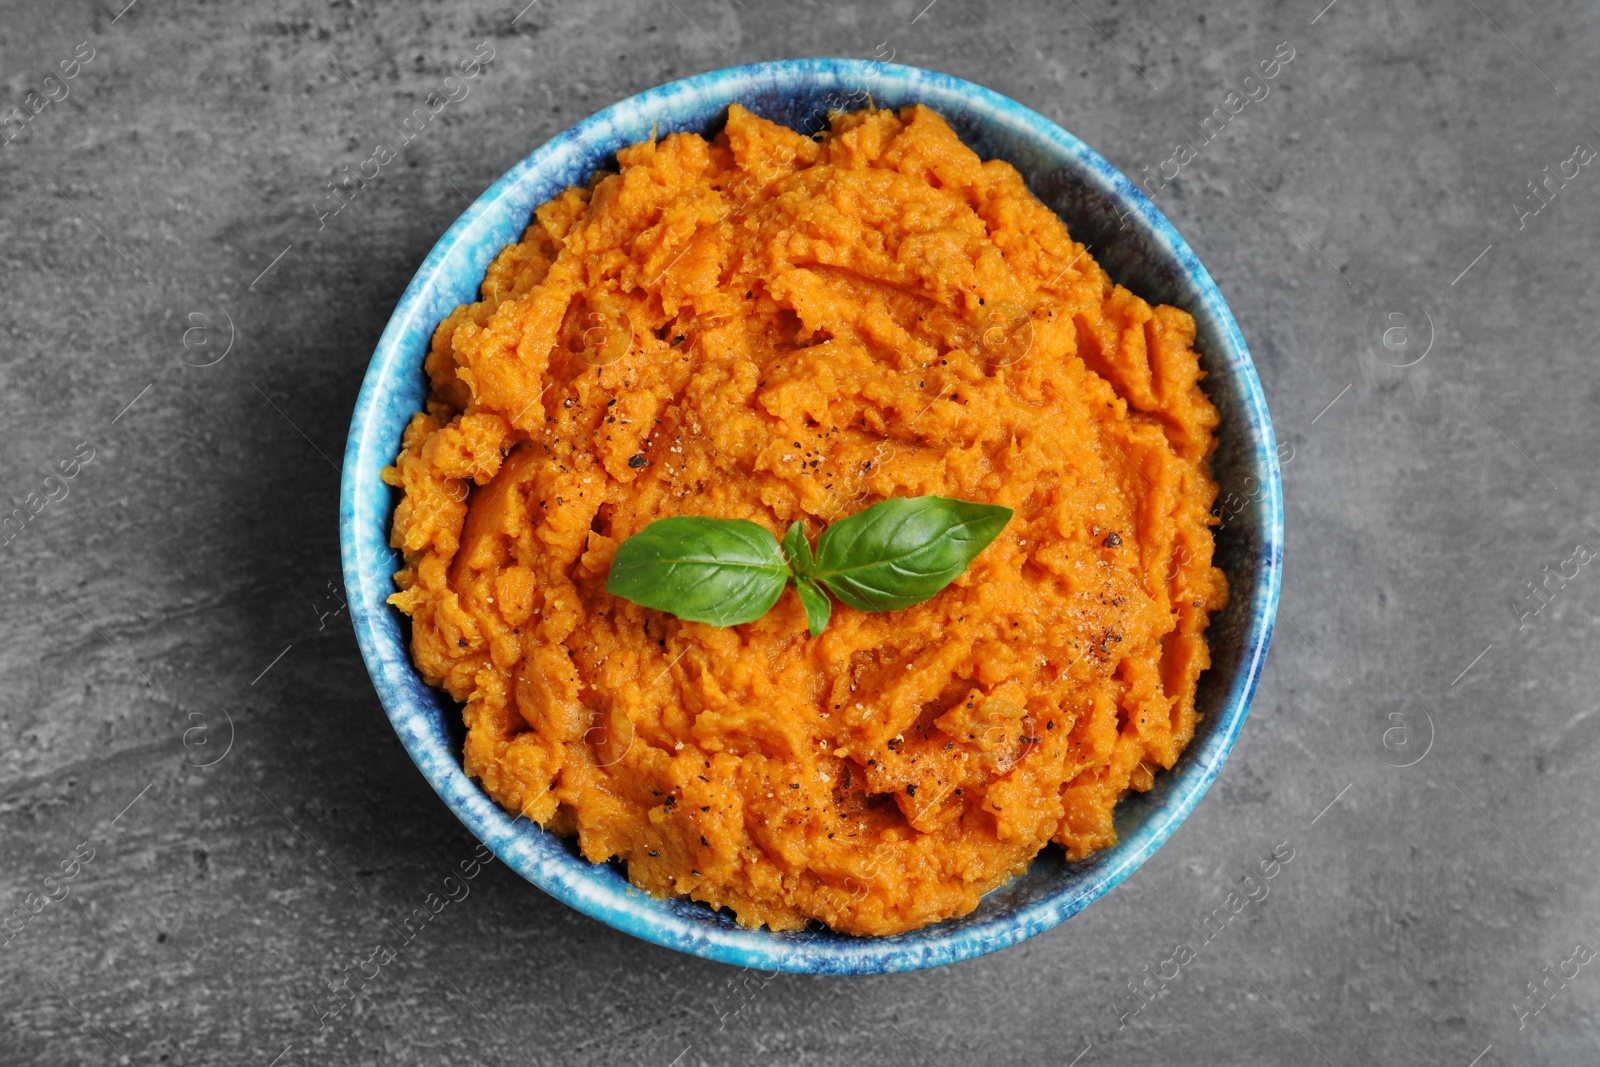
[729,571]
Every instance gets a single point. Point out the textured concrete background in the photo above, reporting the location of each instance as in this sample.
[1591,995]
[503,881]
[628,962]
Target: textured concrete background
[172,303]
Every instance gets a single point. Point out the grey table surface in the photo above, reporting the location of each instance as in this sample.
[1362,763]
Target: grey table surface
[1424,738]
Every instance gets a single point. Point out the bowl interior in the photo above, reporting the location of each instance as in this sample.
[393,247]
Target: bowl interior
[1139,249]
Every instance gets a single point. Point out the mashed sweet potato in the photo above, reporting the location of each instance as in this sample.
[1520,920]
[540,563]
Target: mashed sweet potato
[773,327]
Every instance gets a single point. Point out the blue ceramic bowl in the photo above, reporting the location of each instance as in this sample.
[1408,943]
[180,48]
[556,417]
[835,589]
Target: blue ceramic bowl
[1135,244]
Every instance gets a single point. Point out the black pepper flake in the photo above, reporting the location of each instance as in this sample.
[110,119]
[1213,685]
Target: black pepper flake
[911,790]
[1051,725]
[671,800]
[678,340]
[1112,540]
[705,807]
[703,840]
[637,462]
[461,642]
[655,854]
[611,402]
[694,872]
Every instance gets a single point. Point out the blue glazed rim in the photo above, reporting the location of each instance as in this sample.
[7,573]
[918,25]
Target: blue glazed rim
[1143,252]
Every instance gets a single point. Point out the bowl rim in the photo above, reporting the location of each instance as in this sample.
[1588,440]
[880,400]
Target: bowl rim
[368,563]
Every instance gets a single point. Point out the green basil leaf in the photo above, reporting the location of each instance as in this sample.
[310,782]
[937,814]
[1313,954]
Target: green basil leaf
[797,549]
[720,571]
[819,609]
[901,552]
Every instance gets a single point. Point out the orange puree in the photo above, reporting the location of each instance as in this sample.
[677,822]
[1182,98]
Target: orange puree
[772,327]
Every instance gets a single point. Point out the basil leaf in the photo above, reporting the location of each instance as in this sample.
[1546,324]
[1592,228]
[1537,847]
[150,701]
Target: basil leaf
[720,571]
[901,552]
[819,609]
[798,550]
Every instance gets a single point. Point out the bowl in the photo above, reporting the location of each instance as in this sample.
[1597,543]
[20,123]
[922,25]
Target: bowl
[1136,246]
